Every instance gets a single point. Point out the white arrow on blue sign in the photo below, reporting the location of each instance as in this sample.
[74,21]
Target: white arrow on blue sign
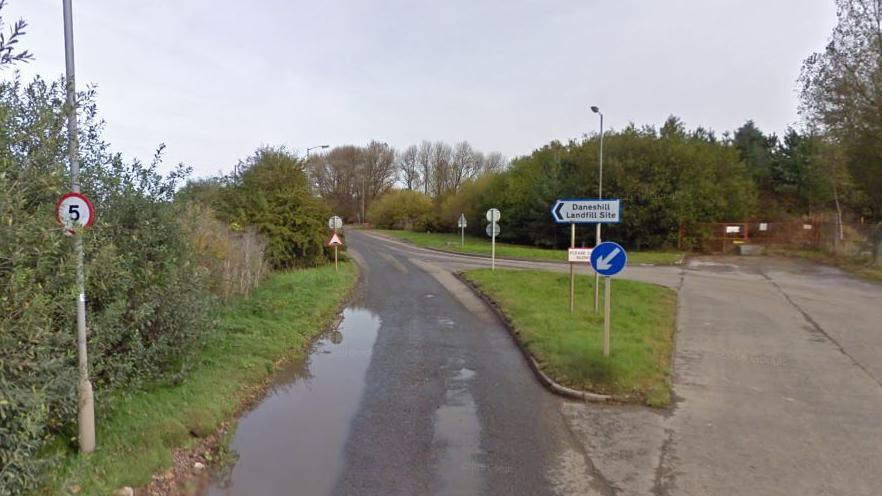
[608,258]
[586,211]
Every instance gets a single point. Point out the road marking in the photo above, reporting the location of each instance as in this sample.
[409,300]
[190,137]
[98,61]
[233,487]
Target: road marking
[394,261]
[459,290]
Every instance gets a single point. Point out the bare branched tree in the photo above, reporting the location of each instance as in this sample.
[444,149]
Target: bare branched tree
[440,162]
[494,162]
[424,159]
[409,167]
[377,172]
[463,165]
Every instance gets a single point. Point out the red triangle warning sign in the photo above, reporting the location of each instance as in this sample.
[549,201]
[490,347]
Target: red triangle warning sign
[335,240]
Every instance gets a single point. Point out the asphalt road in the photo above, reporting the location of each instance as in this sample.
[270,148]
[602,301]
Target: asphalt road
[777,380]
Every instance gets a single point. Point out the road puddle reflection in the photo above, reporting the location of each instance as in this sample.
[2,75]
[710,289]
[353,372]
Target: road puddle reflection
[458,435]
[292,442]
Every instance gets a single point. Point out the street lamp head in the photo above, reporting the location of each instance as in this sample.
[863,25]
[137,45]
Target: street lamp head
[595,109]
[326,146]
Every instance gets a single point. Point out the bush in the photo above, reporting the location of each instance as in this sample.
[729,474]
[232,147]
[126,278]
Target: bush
[234,259]
[271,193]
[147,298]
[403,209]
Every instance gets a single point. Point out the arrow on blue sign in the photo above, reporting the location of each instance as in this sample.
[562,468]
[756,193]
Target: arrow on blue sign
[608,259]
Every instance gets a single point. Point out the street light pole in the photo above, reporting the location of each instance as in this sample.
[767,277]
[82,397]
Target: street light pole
[86,404]
[596,110]
[308,178]
[313,148]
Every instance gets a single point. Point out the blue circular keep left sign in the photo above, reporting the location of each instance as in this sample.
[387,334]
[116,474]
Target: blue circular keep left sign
[608,258]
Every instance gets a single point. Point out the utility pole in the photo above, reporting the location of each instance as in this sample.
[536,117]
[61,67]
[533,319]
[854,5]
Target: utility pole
[84,387]
[596,110]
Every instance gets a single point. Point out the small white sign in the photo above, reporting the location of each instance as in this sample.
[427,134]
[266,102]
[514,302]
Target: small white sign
[807,227]
[492,230]
[763,226]
[462,223]
[335,222]
[493,215]
[579,255]
[733,229]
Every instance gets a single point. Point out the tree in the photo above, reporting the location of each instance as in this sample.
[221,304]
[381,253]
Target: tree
[756,150]
[8,52]
[377,172]
[440,160]
[409,167]
[271,193]
[841,92]
[336,178]
[463,165]
[494,162]
[424,158]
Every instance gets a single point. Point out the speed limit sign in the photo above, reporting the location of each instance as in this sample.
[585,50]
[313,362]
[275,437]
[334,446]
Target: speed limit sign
[74,210]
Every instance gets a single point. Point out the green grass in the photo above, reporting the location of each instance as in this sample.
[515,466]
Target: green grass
[569,346]
[481,246]
[136,430]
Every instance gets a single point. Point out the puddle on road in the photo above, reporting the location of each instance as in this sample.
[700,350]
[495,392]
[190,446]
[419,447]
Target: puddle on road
[292,442]
[458,434]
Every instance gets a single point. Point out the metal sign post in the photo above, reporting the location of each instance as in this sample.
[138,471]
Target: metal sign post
[462,224]
[84,386]
[572,269]
[493,216]
[608,259]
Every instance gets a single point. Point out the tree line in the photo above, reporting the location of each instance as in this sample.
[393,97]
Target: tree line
[828,169]
[350,178]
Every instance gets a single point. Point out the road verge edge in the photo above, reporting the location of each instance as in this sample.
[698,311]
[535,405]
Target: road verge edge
[543,378]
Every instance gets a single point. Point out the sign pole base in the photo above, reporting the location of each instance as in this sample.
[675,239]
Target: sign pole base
[86,416]
[607,293]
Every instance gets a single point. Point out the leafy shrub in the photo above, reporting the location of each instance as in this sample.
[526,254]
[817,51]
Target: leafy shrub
[403,209]
[147,298]
[270,192]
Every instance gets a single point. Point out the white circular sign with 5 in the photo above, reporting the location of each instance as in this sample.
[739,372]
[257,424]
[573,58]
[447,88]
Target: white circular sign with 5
[74,211]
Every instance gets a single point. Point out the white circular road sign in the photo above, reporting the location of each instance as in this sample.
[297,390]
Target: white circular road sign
[493,215]
[493,229]
[74,211]
[335,222]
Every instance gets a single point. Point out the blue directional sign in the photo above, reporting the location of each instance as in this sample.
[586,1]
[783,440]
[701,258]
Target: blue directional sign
[587,211]
[608,259]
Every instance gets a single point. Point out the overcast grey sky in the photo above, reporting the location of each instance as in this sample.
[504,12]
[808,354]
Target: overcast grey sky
[215,79]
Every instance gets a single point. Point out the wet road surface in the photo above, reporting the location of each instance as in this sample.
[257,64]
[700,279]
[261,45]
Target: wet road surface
[777,375]
[426,394]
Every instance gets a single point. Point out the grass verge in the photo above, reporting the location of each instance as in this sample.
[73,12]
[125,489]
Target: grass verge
[569,346]
[137,430]
[481,246]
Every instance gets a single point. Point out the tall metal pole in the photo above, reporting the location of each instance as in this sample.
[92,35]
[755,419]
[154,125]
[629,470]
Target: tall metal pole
[607,314]
[572,269]
[597,237]
[84,387]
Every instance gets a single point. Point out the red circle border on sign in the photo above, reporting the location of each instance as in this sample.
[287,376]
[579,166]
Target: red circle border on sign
[80,196]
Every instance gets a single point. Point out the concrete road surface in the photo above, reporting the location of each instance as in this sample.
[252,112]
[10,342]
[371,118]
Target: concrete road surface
[777,380]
